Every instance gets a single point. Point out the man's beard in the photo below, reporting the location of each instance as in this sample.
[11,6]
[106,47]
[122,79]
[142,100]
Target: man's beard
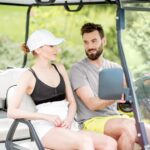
[96,55]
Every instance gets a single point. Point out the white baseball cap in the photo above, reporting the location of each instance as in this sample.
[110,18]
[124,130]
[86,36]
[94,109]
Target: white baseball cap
[42,37]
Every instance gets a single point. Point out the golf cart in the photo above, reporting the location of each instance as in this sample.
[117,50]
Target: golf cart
[132,41]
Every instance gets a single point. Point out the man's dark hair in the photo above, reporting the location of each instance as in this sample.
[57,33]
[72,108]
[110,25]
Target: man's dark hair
[90,27]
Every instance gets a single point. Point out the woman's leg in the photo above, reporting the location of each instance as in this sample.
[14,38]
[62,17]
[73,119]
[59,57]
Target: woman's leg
[101,141]
[64,139]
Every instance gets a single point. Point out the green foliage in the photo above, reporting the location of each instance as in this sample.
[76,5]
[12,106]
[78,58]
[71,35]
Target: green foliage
[13,21]
[10,54]
[12,32]
[61,23]
[136,42]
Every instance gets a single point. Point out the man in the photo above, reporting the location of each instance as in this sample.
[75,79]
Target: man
[94,113]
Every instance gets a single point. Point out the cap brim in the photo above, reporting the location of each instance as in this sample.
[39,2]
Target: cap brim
[57,41]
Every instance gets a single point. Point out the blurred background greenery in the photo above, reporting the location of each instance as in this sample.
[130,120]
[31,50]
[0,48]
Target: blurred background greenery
[61,23]
[67,25]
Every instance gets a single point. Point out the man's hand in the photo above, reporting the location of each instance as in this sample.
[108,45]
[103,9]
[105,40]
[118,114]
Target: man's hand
[122,100]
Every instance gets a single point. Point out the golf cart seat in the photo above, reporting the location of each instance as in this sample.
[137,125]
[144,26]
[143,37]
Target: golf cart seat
[8,126]
[7,79]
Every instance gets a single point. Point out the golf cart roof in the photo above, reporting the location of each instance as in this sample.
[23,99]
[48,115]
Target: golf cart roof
[126,4]
[55,2]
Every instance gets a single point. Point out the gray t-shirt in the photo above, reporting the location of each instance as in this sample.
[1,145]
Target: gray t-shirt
[82,74]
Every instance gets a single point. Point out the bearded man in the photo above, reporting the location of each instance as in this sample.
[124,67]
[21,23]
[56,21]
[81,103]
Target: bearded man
[93,113]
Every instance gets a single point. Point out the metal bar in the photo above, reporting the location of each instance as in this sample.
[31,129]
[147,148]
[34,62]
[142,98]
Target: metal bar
[27,23]
[27,33]
[16,140]
[79,7]
[13,4]
[33,132]
[10,135]
[139,125]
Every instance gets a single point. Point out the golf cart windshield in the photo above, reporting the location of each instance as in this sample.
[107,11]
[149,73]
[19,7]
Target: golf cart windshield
[135,40]
[134,35]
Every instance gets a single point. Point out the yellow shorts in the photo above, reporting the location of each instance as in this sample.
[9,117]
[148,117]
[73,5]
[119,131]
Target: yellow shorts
[97,123]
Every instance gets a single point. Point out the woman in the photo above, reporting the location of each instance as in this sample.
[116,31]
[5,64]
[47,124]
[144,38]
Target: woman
[49,87]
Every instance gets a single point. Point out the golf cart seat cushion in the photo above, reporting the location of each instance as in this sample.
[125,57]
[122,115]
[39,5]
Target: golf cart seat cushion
[26,103]
[29,145]
[9,78]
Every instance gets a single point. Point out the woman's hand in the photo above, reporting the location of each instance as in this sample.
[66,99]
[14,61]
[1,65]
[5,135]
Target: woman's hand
[54,119]
[66,124]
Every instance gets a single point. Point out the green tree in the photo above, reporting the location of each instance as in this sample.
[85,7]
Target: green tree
[136,42]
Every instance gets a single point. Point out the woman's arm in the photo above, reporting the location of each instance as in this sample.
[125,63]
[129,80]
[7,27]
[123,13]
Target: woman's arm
[25,86]
[69,95]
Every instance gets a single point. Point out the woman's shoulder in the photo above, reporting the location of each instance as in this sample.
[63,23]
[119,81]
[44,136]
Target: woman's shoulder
[26,80]
[26,76]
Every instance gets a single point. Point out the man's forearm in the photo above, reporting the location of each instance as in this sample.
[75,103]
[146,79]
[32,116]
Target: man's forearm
[97,104]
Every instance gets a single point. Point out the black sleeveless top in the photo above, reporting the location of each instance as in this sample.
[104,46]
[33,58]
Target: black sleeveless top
[43,93]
